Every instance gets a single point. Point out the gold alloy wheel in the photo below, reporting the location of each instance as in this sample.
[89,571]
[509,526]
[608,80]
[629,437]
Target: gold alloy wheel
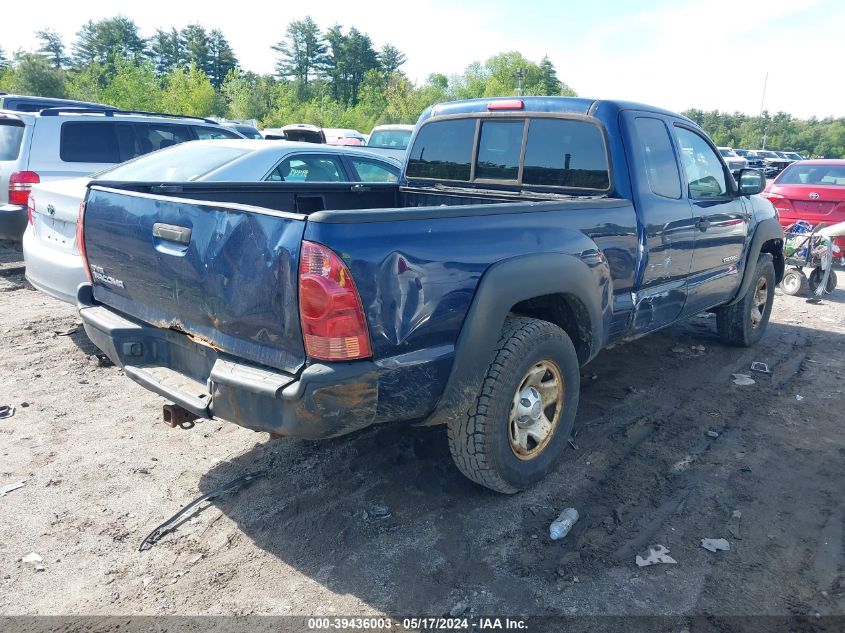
[536,410]
[758,306]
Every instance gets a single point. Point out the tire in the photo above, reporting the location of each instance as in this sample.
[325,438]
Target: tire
[794,283]
[487,444]
[743,323]
[816,279]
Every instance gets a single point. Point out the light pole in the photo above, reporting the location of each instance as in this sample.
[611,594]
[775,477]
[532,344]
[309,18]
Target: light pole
[519,77]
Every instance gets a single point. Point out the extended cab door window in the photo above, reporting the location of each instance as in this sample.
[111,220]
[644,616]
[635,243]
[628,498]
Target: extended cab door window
[659,158]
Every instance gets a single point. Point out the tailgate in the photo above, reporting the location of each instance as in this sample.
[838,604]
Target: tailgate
[225,274]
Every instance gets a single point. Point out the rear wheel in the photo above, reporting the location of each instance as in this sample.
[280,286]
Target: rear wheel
[743,323]
[794,283]
[518,427]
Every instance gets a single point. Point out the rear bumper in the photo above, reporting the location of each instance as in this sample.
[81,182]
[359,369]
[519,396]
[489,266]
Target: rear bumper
[324,400]
[12,222]
[54,272]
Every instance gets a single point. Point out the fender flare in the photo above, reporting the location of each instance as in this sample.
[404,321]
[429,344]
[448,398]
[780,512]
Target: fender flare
[765,231]
[502,286]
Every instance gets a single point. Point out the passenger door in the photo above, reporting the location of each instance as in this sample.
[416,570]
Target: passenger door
[666,222]
[720,220]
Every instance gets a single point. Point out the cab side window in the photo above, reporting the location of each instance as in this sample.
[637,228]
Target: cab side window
[705,175]
[659,157]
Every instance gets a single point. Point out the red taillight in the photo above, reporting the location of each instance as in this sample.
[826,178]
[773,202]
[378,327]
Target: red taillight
[333,324]
[780,203]
[80,242]
[506,104]
[20,184]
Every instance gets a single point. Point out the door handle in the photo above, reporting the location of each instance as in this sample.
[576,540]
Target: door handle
[702,224]
[172,233]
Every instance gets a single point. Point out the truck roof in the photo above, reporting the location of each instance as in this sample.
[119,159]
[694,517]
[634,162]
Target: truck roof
[569,105]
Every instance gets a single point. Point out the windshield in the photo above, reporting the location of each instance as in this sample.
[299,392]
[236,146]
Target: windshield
[180,163]
[11,135]
[808,174]
[390,139]
[768,154]
[726,152]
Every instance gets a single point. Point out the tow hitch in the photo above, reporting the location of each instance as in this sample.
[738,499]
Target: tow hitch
[174,415]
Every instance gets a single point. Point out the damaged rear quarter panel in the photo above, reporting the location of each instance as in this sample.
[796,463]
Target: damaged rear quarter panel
[233,287]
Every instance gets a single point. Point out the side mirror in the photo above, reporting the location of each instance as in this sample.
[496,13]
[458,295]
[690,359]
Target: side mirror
[751,181]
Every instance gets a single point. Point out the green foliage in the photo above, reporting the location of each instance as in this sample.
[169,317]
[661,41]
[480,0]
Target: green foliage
[390,59]
[4,62]
[813,137]
[188,92]
[32,74]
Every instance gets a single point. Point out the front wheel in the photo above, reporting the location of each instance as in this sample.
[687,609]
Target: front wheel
[519,425]
[743,323]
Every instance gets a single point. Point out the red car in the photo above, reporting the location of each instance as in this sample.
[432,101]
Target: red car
[814,191]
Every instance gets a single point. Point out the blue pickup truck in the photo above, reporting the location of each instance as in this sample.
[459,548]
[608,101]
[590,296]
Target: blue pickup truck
[524,236]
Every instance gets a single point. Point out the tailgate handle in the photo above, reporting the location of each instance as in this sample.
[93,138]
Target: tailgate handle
[172,233]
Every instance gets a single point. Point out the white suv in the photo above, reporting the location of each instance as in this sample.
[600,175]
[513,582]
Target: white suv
[64,142]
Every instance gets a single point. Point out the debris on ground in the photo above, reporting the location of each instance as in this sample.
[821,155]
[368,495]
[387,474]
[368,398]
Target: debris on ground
[458,610]
[4,490]
[712,434]
[378,511]
[7,411]
[734,524]
[743,380]
[174,521]
[715,545]
[563,523]
[32,557]
[67,332]
[762,368]
[655,555]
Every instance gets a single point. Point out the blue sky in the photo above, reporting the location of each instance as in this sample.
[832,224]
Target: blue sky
[700,53]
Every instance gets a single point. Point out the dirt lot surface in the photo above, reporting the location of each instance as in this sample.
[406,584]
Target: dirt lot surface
[667,450]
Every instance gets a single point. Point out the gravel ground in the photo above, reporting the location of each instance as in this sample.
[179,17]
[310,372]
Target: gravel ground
[667,451]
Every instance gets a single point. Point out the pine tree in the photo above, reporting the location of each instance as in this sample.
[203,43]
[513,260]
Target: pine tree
[221,58]
[302,54]
[390,59]
[53,48]
[549,83]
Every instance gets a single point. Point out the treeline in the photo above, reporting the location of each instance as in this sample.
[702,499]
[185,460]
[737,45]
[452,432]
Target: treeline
[335,78]
[810,137]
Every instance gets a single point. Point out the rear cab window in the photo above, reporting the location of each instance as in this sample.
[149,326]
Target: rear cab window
[533,151]
[11,138]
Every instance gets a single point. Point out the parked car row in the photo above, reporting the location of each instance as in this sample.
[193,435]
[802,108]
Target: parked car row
[390,140]
[812,191]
